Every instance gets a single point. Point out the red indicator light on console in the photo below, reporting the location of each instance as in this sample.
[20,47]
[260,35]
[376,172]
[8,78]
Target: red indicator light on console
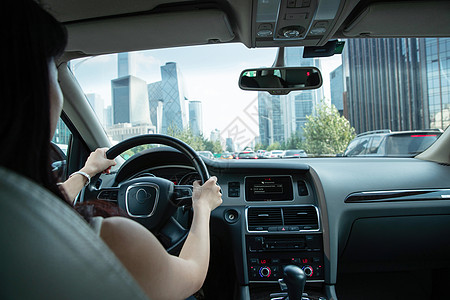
[304,260]
[263,261]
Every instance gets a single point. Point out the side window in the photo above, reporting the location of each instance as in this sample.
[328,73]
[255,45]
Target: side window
[62,136]
[357,147]
[376,140]
[60,146]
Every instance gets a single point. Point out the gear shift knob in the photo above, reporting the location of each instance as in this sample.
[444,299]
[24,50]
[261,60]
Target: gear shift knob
[295,280]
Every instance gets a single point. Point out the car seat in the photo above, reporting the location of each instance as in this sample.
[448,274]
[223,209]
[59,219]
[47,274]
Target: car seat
[49,252]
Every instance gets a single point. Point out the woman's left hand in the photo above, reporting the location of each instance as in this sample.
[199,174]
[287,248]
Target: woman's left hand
[97,162]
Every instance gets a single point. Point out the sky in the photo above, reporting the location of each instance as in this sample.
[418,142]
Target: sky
[210,75]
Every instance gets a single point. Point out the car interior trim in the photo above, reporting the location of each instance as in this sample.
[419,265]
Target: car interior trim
[399,195]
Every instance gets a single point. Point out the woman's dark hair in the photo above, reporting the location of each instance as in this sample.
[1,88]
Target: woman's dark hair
[32,39]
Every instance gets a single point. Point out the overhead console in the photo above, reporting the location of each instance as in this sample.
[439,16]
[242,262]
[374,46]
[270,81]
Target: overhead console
[286,22]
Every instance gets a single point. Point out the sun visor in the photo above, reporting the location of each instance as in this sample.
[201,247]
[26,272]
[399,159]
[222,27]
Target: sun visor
[150,31]
[402,19]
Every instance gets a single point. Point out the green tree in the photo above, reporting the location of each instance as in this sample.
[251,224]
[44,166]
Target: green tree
[327,132]
[274,146]
[186,135]
[130,152]
[294,142]
[259,146]
[214,147]
[217,147]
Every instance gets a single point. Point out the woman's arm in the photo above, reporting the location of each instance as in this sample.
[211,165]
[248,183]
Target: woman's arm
[96,163]
[161,275]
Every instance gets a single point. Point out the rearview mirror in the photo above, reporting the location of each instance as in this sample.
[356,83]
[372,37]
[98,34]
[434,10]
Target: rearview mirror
[280,81]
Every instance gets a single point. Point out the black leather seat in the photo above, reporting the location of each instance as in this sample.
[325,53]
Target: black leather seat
[49,252]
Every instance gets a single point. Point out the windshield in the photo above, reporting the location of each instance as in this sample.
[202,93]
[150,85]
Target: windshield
[192,93]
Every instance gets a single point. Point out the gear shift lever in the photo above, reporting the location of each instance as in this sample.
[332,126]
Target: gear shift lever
[295,280]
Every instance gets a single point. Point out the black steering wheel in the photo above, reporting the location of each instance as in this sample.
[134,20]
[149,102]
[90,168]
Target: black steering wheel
[152,201]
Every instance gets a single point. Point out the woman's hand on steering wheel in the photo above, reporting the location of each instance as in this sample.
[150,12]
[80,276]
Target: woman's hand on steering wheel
[97,162]
[207,195]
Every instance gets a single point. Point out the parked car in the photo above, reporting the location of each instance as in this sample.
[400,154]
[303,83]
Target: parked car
[389,143]
[246,155]
[294,153]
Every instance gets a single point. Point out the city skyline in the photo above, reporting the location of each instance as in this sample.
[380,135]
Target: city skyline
[296,104]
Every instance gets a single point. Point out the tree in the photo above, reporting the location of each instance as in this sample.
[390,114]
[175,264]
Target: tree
[274,146]
[214,147]
[327,132]
[186,135]
[294,142]
[259,146]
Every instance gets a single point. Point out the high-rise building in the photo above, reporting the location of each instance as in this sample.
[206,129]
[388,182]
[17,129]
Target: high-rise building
[282,116]
[130,105]
[229,145]
[130,100]
[384,87]
[337,89]
[436,53]
[168,95]
[125,64]
[155,98]
[196,117]
[97,104]
[108,116]
[299,104]
[397,84]
[62,133]
[270,112]
[214,135]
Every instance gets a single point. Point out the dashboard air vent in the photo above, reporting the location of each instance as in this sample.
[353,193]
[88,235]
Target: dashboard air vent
[291,218]
[305,217]
[261,218]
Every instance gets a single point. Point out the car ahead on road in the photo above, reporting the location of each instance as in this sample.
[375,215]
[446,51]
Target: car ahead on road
[246,155]
[294,153]
[206,154]
[389,143]
[275,154]
[226,155]
[261,153]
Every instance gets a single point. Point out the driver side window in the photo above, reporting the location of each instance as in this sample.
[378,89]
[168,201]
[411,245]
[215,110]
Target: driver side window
[60,146]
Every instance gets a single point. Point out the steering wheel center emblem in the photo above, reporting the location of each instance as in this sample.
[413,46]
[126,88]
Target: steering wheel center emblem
[141,200]
[142,196]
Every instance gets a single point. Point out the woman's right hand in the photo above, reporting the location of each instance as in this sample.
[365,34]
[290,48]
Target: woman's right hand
[207,195]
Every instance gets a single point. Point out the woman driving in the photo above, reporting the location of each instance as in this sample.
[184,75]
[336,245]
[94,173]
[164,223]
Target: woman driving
[29,117]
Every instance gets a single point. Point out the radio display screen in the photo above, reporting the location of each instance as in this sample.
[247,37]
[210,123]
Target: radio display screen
[268,188]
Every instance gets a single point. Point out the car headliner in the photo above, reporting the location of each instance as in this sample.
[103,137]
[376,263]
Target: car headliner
[104,26]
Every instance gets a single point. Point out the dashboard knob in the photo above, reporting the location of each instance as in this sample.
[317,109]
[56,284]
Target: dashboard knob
[308,270]
[265,272]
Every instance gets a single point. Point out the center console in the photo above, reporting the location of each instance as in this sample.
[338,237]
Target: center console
[282,229]
[267,255]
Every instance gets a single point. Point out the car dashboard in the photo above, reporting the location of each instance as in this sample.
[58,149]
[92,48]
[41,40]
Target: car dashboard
[336,218]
